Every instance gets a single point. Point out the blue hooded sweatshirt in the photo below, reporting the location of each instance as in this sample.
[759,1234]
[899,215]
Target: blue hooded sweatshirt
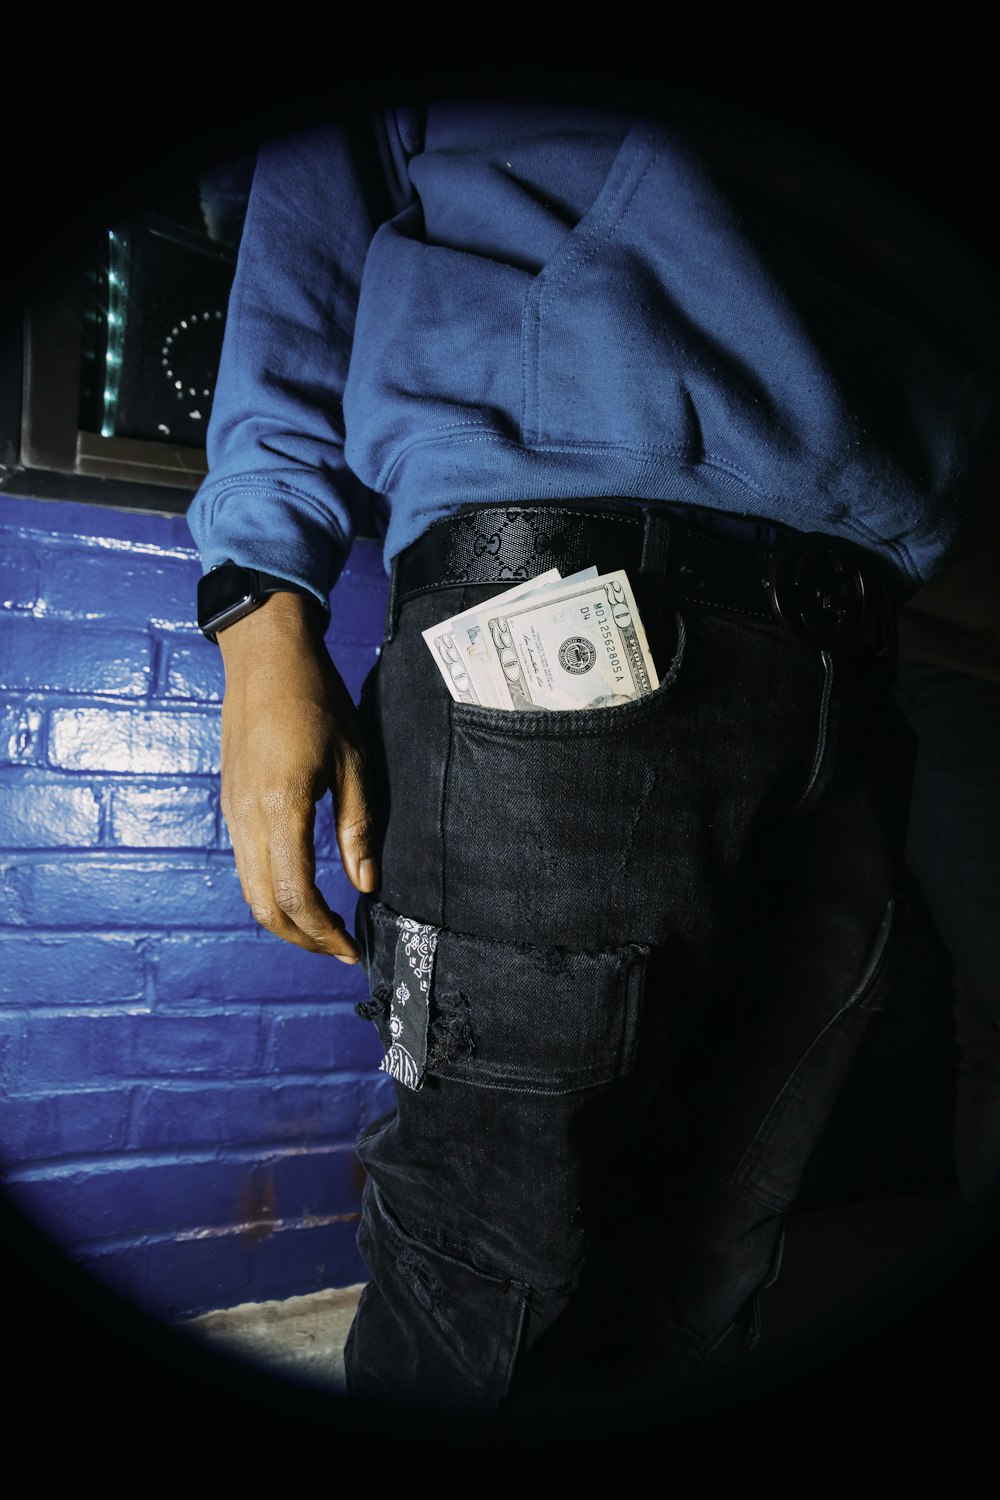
[530,303]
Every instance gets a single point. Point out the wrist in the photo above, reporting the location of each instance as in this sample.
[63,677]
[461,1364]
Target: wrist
[228,592]
[283,621]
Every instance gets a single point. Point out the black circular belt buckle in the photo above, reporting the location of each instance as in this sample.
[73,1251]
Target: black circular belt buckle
[823,591]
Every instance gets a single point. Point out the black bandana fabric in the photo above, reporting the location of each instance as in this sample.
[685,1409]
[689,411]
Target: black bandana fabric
[413,975]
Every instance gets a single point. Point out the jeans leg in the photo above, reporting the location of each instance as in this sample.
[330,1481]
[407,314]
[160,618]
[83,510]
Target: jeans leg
[517,1186]
[808,948]
[476,1207]
[430,1326]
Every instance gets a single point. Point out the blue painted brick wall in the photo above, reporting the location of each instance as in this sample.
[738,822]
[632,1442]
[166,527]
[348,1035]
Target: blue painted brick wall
[179,1091]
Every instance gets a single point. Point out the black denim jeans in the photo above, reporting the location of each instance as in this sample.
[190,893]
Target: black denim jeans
[655,934]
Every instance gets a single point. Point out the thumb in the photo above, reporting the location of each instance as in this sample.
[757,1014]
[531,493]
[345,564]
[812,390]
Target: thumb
[354,817]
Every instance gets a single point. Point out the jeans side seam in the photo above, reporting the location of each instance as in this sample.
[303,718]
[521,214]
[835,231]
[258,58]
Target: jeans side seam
[442,839]
[822,735]
[793,1084]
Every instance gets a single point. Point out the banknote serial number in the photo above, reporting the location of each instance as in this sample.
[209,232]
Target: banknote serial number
[600,616]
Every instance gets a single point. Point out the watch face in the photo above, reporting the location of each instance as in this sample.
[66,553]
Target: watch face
[224,591]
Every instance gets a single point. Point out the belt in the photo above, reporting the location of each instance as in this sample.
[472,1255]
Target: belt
[825,590]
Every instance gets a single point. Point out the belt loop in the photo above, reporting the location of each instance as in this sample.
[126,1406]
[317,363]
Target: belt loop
[653,563]
[390,610]
[650,591]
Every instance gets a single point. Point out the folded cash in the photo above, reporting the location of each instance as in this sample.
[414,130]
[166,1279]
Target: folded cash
[453,643]
[551,643]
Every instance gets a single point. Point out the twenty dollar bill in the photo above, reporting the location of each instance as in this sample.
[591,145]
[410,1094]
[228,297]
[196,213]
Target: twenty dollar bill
[572,645]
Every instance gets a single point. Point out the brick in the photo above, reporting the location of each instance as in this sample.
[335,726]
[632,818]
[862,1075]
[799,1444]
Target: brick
[194,671]
[176,1279]
[46,525]
[43,656]
[92,583]
[311,1183]
[21,726]
[357,605]
[131,1196]
[115,739]
[117,892]
[19,575]
[165,815]
[323,1042]
[85,1121]
[86,1049]
[307,1259]
[11,1040]
[42,812]
[252,966]
[134,1195]
[13,905]
[39,969]
[258,1111]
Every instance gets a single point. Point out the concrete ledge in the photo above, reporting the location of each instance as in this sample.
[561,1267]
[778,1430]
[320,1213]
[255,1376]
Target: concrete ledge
[300,1336]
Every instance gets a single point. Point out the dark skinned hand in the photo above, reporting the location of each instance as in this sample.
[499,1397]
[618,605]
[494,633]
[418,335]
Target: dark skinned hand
[290,735]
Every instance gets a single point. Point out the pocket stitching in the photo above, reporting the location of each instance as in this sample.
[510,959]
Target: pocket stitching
[575,723]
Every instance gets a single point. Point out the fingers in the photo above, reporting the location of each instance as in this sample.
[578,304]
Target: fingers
[290,734]
[355,818]
[276,864]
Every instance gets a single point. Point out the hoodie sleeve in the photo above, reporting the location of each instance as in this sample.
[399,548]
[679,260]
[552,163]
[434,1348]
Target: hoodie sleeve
[279,495]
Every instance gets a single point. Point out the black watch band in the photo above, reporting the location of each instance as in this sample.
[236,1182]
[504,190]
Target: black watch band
[227,592]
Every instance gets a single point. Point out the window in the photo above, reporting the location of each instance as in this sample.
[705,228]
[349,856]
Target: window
[107,391]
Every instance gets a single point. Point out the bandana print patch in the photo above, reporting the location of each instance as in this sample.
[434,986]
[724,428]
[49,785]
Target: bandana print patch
[409,1010]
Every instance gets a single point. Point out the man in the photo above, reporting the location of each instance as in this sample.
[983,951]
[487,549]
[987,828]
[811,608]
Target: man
[632,947]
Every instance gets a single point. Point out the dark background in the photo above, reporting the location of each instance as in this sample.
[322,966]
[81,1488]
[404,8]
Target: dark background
[896,1392]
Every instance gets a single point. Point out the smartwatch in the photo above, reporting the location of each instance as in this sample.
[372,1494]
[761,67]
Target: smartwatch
[227,592]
